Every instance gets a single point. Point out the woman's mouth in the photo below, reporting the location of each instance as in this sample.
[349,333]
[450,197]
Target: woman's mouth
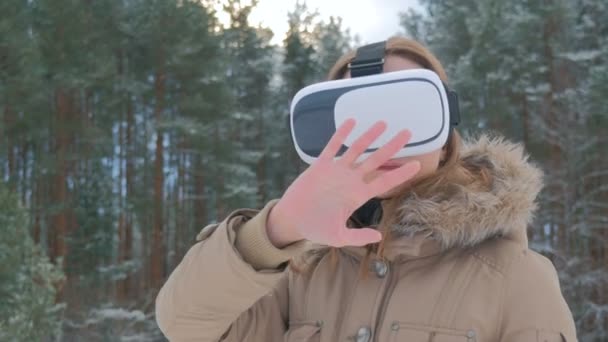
[388,167]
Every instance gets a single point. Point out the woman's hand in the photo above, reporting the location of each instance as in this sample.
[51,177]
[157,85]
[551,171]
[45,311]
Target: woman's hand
[318,203]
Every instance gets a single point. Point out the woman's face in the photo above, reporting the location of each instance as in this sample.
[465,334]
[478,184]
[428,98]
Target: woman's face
[429,162]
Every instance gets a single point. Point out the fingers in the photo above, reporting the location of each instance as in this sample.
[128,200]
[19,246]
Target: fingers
[393,178]
[386,152]
[334,144]
[363,142]
[358,237]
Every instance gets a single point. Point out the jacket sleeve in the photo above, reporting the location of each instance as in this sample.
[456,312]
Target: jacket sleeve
[534,308]
[229,285]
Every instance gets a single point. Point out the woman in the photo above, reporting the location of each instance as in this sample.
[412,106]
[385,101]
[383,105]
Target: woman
[448,260]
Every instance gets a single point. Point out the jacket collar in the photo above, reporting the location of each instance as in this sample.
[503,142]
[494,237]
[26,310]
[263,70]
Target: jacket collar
[464,216]
[402,249]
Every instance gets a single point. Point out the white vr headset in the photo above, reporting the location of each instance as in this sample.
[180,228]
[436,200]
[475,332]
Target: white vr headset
[415,99]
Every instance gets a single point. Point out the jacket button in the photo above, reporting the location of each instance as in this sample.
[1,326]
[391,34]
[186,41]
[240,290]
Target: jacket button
[380,268]
[364,334]
[471,335]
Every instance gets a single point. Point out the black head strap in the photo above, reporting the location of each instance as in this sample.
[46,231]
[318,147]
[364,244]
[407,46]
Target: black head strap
[369,60]
[454,106]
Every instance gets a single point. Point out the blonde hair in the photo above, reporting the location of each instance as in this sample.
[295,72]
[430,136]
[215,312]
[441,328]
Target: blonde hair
[450,170]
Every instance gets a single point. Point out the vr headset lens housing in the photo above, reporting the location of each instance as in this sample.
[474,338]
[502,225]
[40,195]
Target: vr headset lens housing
[415,99]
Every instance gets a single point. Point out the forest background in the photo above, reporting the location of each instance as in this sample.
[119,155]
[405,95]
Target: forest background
[126,126]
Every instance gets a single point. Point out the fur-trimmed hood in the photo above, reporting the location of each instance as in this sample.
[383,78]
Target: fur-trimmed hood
[464,216]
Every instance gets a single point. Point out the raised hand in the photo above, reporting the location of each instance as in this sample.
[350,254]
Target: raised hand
[318,203]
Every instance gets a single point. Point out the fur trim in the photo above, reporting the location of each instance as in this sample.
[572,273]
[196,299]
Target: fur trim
[464,216]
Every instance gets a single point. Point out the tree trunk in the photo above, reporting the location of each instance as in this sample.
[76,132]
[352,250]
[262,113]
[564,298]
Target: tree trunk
[59,192]
[525,119]
[121,294]
[261,165]
[200,201]
[27,183]
[36,205]
[130,170]
[555,152]
[9,121]
[219,201]
[180,212]
[146,220]
[125,230]
[158,253]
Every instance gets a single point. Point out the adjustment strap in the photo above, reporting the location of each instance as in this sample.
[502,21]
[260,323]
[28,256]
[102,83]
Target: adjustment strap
[454,106]
[369,60]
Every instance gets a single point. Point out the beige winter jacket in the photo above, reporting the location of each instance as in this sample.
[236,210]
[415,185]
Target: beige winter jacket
[460,270]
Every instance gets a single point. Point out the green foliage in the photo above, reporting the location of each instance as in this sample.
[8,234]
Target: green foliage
[299,67]
[27,279]
[331,42]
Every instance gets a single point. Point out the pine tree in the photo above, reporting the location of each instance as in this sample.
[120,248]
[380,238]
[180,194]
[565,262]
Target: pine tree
[331,41]
[299,67]
[250,71]
[28,279]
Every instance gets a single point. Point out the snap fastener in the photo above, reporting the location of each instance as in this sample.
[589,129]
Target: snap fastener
[319,323]
[364,334]
[380,268]
[395,326]
[471,335]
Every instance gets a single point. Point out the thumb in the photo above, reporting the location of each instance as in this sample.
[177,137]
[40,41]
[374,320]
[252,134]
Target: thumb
[360,236]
